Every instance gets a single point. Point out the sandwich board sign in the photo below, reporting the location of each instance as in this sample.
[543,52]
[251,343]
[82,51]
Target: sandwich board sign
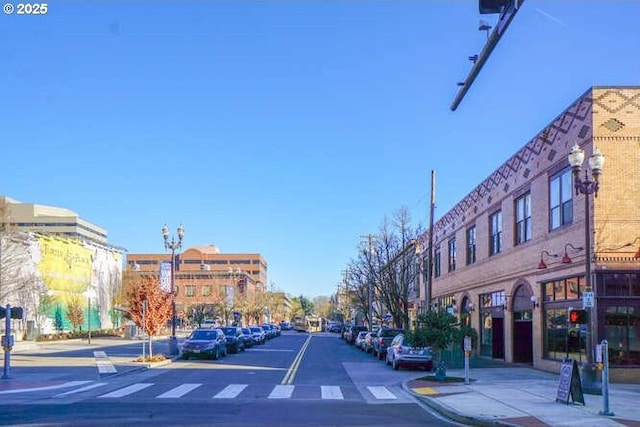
[569,386]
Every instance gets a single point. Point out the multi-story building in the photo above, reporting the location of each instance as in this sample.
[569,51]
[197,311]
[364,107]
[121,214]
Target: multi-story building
[510,258]
[203,275]
[18,216]
[51,259]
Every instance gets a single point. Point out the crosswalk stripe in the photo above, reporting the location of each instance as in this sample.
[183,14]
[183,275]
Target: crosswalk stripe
[230,391]
[331,392]
[381,392]
[52,387]
[127,390]
[80,390]
[179,391]
[281,391]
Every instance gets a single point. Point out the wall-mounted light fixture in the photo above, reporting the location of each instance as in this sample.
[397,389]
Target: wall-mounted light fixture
[542,265]
[565,258]
[534,301]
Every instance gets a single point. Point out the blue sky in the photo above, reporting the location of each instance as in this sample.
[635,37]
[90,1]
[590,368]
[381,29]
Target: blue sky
[285,128]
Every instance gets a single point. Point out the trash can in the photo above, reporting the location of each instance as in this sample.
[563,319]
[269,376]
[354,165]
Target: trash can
[130,332]
[31,330]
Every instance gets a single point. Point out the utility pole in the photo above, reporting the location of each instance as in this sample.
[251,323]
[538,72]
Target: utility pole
[370,238]
[347,299]
[430,254]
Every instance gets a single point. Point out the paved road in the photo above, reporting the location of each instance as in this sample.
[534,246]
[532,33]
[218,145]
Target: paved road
[291,380]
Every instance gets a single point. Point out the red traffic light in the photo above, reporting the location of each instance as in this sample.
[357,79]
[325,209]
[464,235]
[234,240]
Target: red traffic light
[578,317]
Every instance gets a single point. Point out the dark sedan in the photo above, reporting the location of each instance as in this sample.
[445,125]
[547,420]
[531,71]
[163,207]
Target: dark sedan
[235,338]
[210,343]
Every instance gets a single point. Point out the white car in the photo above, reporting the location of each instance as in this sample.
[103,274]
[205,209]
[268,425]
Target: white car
[258,334]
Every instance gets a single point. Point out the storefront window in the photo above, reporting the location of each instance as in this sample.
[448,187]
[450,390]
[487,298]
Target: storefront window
[563,339]
[623,334]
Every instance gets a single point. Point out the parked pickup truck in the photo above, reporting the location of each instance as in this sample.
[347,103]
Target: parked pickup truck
[382,340]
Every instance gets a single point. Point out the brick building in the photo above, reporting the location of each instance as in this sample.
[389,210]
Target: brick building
[488,248]
[204,275]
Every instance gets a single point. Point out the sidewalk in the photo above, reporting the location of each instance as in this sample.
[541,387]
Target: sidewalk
[45,364]
[522,396]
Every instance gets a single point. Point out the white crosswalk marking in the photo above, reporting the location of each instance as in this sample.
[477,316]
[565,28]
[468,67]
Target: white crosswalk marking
[179,391]
[370,394]
[80,390]
[381,392]
[127,390]
[331,392]
[230,391]
[281,392]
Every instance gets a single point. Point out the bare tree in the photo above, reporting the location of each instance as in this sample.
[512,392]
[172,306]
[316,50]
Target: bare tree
[387,269]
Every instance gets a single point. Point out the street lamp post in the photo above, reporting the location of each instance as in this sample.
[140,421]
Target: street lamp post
[587,186]
[173,245]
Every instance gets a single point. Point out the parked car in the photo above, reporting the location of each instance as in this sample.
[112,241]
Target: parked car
[401,353]
[269,331]
[383,338]
[367,342]
[259,336]
[286,326]
[360,339]
[235,338]
[335,328]
[352,333]
[205,342]
[247,335]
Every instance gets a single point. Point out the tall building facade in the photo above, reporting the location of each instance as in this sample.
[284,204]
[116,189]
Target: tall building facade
[50,260]
[510,258]
[50,220]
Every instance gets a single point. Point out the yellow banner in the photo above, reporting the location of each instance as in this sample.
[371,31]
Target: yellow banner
[65,266]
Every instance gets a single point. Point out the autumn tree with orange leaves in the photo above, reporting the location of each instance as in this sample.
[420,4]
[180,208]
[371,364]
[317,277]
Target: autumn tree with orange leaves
[158,306]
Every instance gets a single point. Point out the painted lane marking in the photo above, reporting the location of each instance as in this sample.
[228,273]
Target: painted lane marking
[230,391]
[381,392]
[127,390]
[291,373]
[331,392]
[281,392]
[179,391]
[80,390]
[51,387]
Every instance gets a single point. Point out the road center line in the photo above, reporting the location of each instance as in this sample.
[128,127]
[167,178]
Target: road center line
[289,376]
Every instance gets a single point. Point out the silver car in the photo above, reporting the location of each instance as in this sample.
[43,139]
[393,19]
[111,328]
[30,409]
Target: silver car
[360,340]
[401,353]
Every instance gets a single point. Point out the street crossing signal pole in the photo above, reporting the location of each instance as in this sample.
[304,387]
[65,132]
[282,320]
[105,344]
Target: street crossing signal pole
[7,342]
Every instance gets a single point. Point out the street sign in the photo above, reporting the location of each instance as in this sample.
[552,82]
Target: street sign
[588,299]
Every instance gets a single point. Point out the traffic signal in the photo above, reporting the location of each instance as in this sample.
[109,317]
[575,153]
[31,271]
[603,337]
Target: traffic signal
[16,312]
[492,6]
[578,317]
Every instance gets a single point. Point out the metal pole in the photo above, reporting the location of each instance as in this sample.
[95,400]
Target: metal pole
[467,352]
[7,343]
[430,255]
[587,244]
[144,327]
[605,380]
[89,319]
[173,347]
